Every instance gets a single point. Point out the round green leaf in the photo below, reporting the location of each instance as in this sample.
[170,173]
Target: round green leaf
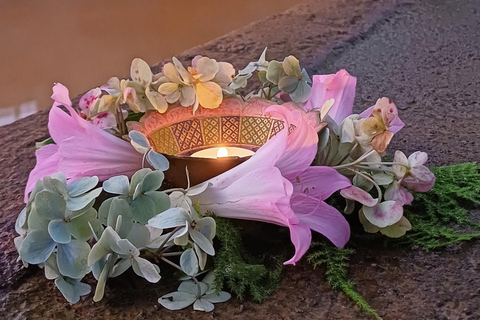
[37,247]
[158,160]
[72,289]
[152,181]
[189,262]
[82,185]
[72,258]
[50,205]
[80,202]
[177,300]
[203,305]
[117,185]
[143,209]
[160,199]
[59,231]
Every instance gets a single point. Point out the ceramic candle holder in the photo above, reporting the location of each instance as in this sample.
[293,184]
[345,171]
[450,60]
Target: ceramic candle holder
[179,133]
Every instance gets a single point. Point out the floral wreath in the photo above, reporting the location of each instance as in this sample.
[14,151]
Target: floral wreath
[71,226]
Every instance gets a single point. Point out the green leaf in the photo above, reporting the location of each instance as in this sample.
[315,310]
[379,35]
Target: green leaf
[117,185]
[72,258]
[59,231]
[139,139]
[213,298]
[143,209]
[158,160]
[160,199]
[121,266]
[145,269]
[202,242]
[177,300]
[120,207]
[138,178]
[79,227]
[81,186]
[37,247]
[152,181]
[80,202]
[139,236]
[275,72]
[203,305]
[288,84]
[35,222]
[72,289]
[189,262]
[301,92]
[50,205]
[291,66]
[171,218]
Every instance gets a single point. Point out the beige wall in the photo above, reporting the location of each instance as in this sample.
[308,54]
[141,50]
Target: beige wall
[83,43]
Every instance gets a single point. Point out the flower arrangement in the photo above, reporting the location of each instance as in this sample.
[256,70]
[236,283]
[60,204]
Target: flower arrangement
[305,146]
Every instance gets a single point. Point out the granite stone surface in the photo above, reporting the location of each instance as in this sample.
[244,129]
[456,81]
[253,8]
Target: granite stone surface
[424,55]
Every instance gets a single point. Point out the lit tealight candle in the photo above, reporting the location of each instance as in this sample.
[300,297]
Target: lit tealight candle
[223,152]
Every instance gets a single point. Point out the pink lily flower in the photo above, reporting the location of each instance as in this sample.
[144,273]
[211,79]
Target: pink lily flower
[81,149]
[335,91]
[277,185]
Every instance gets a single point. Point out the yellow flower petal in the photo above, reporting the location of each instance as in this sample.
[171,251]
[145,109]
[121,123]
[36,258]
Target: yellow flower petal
[209,94]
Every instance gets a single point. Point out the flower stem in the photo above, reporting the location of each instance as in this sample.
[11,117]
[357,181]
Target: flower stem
[348,153]
[173,264]
[359,160]
[380,193]
[160,249]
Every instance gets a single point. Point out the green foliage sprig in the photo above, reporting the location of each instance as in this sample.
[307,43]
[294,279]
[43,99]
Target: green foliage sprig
[335,261]
[240,273]
[441,216]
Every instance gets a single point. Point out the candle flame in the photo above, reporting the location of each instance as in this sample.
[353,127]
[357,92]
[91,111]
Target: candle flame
[222,152]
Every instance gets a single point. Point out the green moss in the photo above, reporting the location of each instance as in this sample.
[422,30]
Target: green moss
[441,216]
[240,272]
[335,261]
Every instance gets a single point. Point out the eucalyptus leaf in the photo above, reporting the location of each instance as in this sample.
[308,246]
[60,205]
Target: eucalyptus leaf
[50,205]
[139,236]
[158,160]
[222,297]
[160,199]
[153,181]
[177,300]
[143,209]
[171,218]
[117,185]
[138,178]
[119,207]
[192,287]
[189,262]
[301,92]
[288,84]
[121,266]
[59,231]
[37,247]
[72,289]
[139,139]
[146,269]
[79,226]
[275,72]
[82,185]
[80,202]
[202,242]
[72,258]
[203,305]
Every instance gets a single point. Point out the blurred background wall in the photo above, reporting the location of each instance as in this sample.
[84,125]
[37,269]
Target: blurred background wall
[82,43]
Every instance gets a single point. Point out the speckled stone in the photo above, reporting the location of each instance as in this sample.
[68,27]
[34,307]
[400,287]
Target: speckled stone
[424,55]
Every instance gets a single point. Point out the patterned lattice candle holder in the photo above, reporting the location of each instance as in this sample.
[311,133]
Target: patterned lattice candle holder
[179,133]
